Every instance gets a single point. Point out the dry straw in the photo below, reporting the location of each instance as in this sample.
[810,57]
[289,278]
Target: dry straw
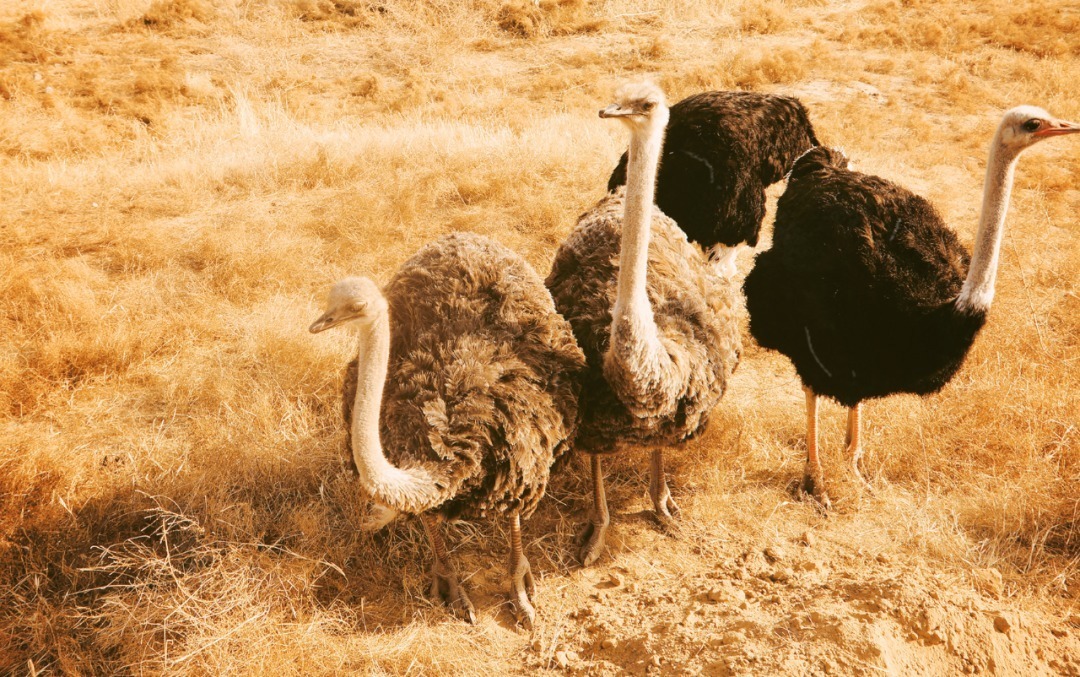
[180,179]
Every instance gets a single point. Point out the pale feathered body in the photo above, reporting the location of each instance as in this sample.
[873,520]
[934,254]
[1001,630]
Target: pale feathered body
[482,385]
[659,330]
[696,318]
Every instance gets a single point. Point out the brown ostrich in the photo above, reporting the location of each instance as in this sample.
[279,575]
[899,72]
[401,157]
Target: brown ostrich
[463,394]
[658,329]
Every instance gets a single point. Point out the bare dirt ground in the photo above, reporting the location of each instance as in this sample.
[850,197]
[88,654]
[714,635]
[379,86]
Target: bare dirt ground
[182,179]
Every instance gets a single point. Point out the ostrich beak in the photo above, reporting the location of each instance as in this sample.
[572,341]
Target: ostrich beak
[1057,128]
[615,111]
[322,324]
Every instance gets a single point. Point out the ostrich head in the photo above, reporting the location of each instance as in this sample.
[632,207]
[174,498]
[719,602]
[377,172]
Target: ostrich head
[352,299]
[1024,126]
[640,105]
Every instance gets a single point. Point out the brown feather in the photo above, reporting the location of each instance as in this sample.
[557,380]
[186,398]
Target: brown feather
[482,386]
[695,312]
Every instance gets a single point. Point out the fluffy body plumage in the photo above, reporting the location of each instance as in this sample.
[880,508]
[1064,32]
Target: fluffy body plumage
[722,149]
[463,395]
[859,287]
[483,381]
[659,330]
[694,313]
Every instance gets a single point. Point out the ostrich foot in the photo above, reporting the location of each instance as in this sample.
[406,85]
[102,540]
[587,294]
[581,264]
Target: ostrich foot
[591,542]
[446,587]
[522,590]
[666,511]
[813,487]
[856,468]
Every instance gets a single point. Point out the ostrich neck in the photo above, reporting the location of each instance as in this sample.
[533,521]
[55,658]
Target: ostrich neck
[637,364]
[978,290]
[407,490]
[632,301]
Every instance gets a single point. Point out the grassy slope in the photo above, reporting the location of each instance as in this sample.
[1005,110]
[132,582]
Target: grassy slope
[181,181]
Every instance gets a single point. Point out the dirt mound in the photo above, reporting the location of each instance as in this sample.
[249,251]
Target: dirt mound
[800,607]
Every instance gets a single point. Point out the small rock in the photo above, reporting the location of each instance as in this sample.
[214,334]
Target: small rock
[536,645]
[738,574]
[716,595]
[988,581]
[1059,632]
[808,539]
[609,582]
[562,659]
[732,638]
[655,660]
[572,656]
[1001,624]
[781,575]
[774,553]
[882,558]
[609,643]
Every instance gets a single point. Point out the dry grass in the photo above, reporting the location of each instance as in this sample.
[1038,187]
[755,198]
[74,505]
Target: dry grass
[182,178]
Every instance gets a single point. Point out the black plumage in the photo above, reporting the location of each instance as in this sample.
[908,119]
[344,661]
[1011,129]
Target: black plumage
[859,287]
[866,289]
[721,150]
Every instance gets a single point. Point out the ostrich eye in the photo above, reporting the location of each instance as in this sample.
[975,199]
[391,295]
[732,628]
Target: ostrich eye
[1031,125]
[648,106]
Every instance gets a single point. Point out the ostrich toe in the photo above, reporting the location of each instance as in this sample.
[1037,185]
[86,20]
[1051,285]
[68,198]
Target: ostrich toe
[446,587]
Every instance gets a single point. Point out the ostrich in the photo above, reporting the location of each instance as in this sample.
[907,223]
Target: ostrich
[658,329]
[867,291]
[722,150]
[466,389]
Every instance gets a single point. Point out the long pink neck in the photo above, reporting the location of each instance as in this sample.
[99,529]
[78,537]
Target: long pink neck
[632,316]
[978,290]
[406,490]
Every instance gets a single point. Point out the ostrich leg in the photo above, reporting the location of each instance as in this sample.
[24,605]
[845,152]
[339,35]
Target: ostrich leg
[854,442]
[444,578]
[591,537]
[522,586]
[813,483]
[663,503]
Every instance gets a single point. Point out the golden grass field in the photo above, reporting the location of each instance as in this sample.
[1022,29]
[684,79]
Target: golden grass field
[181,180]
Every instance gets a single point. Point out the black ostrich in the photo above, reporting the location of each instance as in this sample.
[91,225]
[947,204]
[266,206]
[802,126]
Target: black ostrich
[866,289]
[720,152]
